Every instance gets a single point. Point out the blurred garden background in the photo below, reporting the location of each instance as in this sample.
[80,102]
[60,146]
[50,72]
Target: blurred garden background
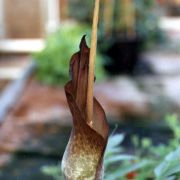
[137,83]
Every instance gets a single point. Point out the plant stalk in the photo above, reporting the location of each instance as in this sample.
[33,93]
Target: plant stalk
[90,88]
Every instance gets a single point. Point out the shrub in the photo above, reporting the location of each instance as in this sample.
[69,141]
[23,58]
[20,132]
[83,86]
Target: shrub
[53,62]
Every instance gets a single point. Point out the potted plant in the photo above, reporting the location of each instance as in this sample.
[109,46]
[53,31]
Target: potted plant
[128,26]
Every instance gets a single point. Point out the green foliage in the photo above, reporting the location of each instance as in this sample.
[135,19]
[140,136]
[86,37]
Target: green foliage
[160,162]
[53,61]
[147,22]
[157,162]
[118,164]
[81,10]
[163,157]
[146,19]
[52,171]
[170,167]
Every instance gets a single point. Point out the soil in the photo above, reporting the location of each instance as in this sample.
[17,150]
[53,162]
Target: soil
[3,84]
[37,122]
[35,127]
[39,102]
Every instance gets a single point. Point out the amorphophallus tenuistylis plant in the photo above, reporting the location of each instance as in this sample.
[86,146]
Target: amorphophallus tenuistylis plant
[83,157]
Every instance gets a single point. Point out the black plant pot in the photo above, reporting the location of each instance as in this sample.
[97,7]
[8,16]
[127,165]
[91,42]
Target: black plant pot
[173,10]
[123,54]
